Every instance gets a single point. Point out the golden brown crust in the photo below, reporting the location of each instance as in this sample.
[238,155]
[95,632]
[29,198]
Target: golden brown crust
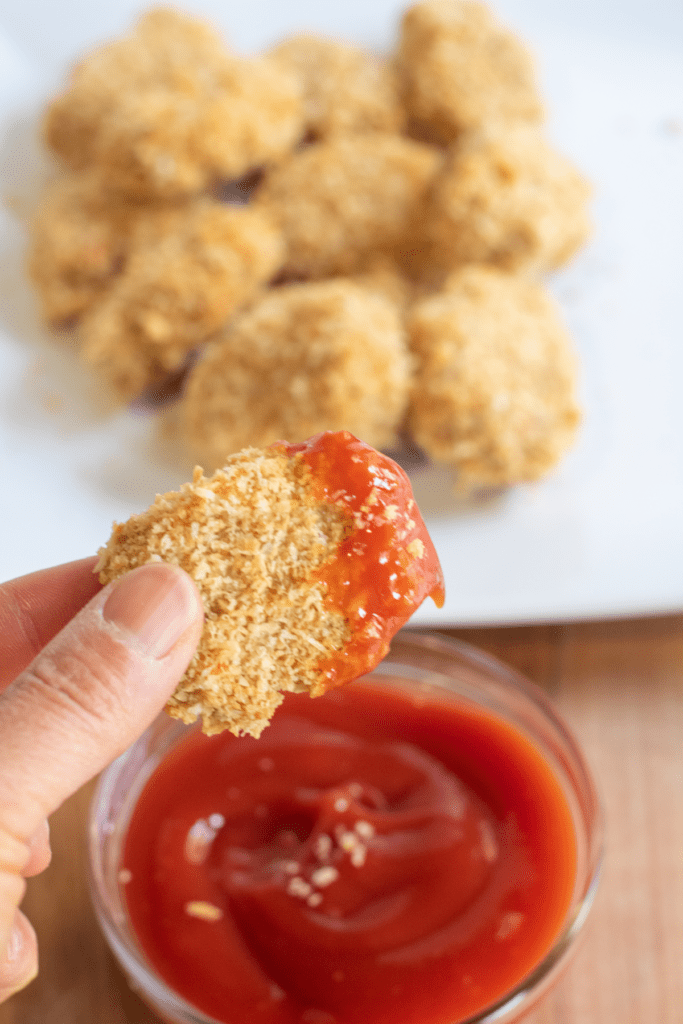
[252,538]
[346,89]
[131,245]
[80,239]
[327,355]
[258,121]
[184,278]
[387,277]
[462,69]
[160,60]
[166,109]
[342,200]
[495,391]
[505,196]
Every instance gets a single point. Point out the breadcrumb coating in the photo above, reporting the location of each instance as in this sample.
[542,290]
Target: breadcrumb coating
[326,355]
[259,120]
[80,238]
[251,537]
[180,285]
[346,89]
[368,222]
[166,53]
[341,200]
[462,69]
[386,276]
[505,196]
[495,391]
[166,109]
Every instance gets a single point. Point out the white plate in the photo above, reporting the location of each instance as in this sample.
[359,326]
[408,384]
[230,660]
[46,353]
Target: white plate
[603,536]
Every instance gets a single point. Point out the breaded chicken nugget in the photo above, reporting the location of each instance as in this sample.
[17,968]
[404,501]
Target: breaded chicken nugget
[179,286]
[308,558]
[166,110]
[386,276]
[495,389]
[345,89]
[462,69]
[80,238]
[303,358]
[505,196]
[341,200]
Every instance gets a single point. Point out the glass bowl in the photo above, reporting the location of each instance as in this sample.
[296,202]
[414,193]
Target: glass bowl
[423,663]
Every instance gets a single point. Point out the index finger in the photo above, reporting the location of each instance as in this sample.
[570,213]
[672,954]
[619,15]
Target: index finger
[36,607]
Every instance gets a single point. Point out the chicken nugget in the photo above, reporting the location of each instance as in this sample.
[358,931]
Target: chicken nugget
[180,285]
[506,196]
[495,388]
[341,200]
[303,358]
[166,51]
[79,241]
[346,89]
[167,110]
[386,276]
[308,559]
[461,69]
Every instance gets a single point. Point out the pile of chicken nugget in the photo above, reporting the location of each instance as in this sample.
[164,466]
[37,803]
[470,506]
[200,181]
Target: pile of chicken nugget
[320,238]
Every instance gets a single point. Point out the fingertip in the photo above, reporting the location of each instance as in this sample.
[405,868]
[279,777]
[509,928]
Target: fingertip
[41,854]
[19,963]
[154,606]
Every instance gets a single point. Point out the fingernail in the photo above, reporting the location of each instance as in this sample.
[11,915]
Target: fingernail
[15,952]
[15,944]
[155,604]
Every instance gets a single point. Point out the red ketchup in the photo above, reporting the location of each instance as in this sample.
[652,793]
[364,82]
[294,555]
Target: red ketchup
[378,856]
[387,565]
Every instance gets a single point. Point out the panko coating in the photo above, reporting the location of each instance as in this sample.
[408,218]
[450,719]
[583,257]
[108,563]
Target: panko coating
[326,355]
[346,89]
[179,286]
[462,69]
[387,277]
[341,200]
[266,620]
[505,196]
[80,238]
[494,395]
[167,110]
[374,194]
[284,555]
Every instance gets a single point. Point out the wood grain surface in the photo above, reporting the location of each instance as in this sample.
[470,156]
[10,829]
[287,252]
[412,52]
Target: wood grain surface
[620,686]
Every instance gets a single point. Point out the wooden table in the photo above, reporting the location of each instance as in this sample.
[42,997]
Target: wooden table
[620,685]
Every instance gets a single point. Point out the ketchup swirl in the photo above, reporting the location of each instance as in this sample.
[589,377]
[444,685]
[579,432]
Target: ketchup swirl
[376,857]
[348,829]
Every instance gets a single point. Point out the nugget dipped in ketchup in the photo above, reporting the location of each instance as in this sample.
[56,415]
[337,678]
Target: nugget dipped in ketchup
[309,558]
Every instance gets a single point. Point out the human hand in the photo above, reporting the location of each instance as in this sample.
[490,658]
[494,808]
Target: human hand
[83,671]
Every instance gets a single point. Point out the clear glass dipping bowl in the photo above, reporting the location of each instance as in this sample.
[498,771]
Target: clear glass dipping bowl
[424,661]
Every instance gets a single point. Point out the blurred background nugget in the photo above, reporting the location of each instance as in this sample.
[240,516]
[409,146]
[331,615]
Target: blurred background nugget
[167,110]
[461,69]
[506,196]
[304,358]
[283,217]
[81,235]
[179,286]
[494,395]
[346,90]
[342,200]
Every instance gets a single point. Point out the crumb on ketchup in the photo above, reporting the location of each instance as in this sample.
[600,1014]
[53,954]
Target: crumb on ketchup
[386,566]
[379,856]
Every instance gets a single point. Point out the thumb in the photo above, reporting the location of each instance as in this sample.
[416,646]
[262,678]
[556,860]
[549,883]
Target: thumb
[84,699]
